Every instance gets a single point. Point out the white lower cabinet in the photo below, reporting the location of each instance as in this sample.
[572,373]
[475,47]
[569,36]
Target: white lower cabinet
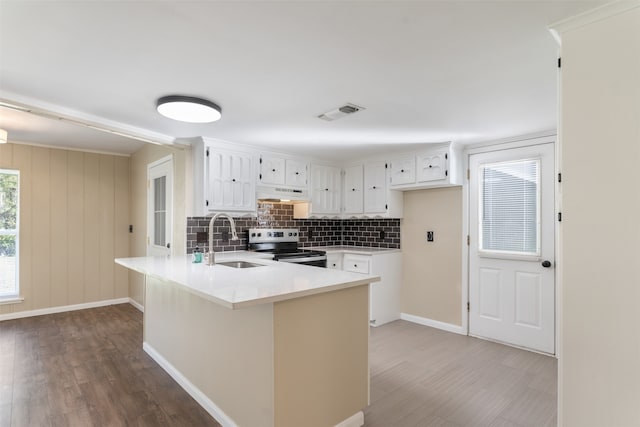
[334,260]
[384,296]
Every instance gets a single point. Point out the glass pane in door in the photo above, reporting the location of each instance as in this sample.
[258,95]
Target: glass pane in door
[510,207]
[159,211]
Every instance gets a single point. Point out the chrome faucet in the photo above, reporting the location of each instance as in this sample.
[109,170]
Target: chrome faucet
[234,235]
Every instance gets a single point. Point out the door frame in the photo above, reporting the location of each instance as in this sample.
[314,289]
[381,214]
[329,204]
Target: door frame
[151,165]
[499,145]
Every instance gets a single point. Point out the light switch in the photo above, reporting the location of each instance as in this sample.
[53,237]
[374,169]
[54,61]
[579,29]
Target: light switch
[429,236]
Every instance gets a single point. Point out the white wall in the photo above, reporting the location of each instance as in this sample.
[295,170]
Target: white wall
[599,365]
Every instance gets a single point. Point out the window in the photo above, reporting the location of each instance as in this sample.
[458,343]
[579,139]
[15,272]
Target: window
[9,215]
[510,207]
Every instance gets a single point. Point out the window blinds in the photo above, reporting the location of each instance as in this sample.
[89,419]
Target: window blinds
[509,216]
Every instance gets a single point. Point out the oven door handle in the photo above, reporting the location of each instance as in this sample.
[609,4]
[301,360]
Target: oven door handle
[303,259]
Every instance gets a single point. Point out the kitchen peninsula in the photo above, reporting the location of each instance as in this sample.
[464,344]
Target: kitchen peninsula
[275,344]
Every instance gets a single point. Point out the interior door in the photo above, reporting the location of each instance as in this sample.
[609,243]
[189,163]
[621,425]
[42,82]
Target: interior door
[511,251]
[159,207]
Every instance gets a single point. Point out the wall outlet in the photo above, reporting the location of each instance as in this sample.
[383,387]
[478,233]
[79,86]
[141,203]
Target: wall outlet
[429,236]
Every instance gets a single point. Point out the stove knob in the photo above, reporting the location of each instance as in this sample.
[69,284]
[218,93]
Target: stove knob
[259,234]
[290,234]
[295,234]
[269,234]
[253,234]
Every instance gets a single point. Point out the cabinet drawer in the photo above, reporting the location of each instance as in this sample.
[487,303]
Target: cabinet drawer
[334,261]
[356,263]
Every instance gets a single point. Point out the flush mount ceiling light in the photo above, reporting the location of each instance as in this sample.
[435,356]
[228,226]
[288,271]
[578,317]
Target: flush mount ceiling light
[188,109]
[3,136]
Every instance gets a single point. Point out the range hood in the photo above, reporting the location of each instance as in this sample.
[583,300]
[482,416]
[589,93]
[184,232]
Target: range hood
[281,194]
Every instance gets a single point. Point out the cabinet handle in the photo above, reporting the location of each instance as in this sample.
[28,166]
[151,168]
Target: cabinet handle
[234,180]
[430,166]
[326,189]
[353,189]
[273,170]
[402,170]
[297,173]
[355,265]
[374,187]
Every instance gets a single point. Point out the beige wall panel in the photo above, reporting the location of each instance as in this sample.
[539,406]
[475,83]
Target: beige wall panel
[432,272]
[121,224]
[6,156]
[75,227]
[227,354]
[138,185]
[599,364]
[59,228]
[68,233]
[321,357]
[22,162]
[41,227]
[91,227]
[107,227]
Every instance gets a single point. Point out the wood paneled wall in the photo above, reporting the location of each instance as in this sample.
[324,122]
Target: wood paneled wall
[74,219]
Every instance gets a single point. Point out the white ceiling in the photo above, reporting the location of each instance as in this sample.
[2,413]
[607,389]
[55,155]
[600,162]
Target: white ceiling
[426,71]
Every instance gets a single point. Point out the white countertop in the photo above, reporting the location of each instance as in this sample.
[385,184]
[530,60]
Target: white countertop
[363,250]
[243,287]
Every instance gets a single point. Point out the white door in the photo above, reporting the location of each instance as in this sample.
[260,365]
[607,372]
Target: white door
[159,207]
[511,251]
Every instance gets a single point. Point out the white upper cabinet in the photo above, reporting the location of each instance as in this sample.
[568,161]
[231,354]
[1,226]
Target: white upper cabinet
[432,166]
[326,184]
[375,187]
[224,180]
[296,173]
[353,194]
[231,181]
[280,171]
[437,166]
[272,170]
[403,170]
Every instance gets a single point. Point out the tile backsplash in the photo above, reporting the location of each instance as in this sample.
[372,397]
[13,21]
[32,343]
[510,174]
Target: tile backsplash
[379,233]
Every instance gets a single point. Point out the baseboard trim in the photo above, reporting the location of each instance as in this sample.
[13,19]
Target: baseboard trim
[62,309]
[136,304]
[356,420]
[188,386]
[433,323]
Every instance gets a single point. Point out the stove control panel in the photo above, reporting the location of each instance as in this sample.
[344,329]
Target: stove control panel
[273,235]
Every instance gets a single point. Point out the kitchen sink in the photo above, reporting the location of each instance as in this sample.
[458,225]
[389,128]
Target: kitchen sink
[240,264]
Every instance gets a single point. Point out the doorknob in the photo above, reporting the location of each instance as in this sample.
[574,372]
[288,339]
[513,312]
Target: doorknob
[168,245]
[546,264]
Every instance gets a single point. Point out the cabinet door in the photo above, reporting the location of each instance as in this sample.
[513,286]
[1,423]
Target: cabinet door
[353,194]
[375,187]
[325,192]
[334,261]
[296,173]
[231,181]
[432,166]
[403,170]
[272,170]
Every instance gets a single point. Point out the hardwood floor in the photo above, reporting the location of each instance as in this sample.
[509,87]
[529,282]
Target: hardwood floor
[87,368]
[425,377]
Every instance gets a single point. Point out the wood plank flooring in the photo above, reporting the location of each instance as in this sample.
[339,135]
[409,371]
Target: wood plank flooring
[87,368]
[426,377]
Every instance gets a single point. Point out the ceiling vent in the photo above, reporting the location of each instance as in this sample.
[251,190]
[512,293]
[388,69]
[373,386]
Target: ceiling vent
[340,112]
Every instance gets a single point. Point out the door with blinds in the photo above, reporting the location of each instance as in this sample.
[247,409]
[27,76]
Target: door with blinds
[159,206]
[511,249]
